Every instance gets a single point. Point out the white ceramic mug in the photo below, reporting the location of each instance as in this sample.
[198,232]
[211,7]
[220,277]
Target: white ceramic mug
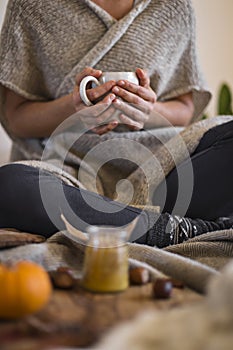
[106,76]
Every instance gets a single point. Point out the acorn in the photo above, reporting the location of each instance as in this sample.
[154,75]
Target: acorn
[162,288]
[139,276]
[62,278]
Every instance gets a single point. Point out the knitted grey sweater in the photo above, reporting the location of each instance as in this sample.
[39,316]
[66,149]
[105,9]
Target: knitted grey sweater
[44,44]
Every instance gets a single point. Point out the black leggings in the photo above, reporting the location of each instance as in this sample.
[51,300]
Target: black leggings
[212,164]
[21,205]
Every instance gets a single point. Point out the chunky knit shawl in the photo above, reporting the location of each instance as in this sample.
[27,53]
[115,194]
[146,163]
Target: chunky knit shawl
[44,44]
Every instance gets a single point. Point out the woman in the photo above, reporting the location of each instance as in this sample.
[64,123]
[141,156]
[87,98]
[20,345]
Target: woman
[45,47]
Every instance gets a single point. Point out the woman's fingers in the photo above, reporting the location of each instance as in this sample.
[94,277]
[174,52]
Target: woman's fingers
[106,116]
[129,110]
[97,109]
[136,101]
[98,114]
[128,90]
[94,93]
[131,124]
[87,71]
[143,77]
[103,129]
[133,99]
[101,90]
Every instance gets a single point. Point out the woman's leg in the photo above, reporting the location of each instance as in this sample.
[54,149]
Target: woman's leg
[22,189]
[212,164]
[21,206]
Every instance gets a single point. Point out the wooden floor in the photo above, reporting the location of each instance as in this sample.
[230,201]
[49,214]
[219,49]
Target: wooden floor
[79,318]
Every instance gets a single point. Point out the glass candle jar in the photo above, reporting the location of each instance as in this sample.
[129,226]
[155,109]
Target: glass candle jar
[106,260]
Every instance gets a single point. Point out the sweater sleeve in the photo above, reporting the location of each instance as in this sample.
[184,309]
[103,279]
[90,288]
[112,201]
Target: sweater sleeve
[19,70]
[187,75]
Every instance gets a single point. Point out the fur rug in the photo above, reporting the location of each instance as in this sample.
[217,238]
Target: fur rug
[207,326]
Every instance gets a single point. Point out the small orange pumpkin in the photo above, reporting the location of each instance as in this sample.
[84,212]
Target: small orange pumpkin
[24,289]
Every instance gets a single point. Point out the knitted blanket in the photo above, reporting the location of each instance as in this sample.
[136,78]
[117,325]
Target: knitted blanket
[142,158]
[45,44]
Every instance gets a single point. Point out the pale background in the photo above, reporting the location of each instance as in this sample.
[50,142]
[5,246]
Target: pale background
[215,49]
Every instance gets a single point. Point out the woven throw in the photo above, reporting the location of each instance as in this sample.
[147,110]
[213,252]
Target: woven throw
[59,250]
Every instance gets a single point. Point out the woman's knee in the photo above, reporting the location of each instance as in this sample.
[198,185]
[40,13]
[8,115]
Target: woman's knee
[15,179]
[21,206]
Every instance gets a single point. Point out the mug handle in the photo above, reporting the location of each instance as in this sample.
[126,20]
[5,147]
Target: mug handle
[82,89]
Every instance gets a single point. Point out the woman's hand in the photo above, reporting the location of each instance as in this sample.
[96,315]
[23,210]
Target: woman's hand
[137,101]
[95,117]
[140,108]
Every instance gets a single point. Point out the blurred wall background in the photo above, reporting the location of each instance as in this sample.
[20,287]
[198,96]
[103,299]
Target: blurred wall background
[215,43]
[215,48]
